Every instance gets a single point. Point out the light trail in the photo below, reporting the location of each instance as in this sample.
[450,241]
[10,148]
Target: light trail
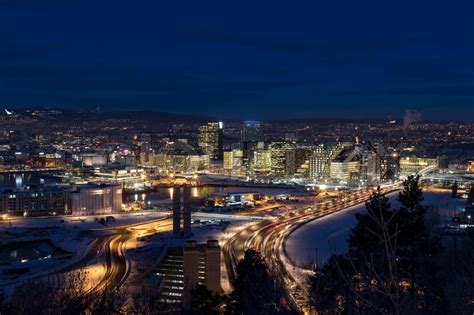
[268,238]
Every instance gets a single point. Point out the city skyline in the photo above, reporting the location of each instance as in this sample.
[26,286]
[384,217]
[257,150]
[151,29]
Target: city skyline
[221,158]
[260,62]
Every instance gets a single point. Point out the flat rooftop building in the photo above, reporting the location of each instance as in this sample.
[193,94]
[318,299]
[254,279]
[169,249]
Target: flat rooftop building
[185,267]
[96,199]
[35,201]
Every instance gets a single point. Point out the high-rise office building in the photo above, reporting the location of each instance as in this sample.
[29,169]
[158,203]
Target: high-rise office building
[233,162]
[256,158]
[252,131]
[300,165]
[210,140]
[261,163]
[282,158]
[368,167]
[317,163]
[321,157]
[228,162]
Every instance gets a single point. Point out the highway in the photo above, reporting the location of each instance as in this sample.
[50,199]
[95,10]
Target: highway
[117,267]
[116,262]
[268,237]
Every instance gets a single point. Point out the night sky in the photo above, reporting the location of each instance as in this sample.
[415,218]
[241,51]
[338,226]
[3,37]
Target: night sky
[246,60]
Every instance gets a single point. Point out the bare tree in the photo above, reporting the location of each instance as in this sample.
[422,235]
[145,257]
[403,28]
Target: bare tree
[148,301]
[377,285]
[459,274]
[54,294]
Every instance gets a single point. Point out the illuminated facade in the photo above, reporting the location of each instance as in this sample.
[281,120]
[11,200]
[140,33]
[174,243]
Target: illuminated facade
[470,166]
[369,167]
[210,140]
[35,201]
[94,159]
[180,157]
[345,171]
[318,163]
[300,166]
[412,165]
[345,167]
[96,199]
[261,163]
[256,159]
[321,157]
[282,158]
[233,162]
[127,176]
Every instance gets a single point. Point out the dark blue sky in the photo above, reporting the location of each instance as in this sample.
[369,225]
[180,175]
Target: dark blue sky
[255,59]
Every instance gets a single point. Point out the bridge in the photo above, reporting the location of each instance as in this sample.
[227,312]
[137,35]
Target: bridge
[426,170]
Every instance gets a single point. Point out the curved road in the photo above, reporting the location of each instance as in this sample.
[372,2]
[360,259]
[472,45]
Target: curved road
[268,237]
[116,263]
[117,267]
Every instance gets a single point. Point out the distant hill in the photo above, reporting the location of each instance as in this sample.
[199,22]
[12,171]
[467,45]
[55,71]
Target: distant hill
[93,115]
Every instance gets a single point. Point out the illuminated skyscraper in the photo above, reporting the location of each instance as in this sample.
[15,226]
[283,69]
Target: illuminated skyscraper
[317,163]
[321,158]
[210,140]
[282,158]
[256,158]
[233,162]
[368,167]
[261,163]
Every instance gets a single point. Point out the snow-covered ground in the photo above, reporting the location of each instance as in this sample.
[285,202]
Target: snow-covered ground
[329,234]
[72,234]
[145,254]
[83,222]
[77,234]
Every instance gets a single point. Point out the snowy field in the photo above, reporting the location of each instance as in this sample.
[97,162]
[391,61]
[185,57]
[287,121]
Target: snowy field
[77,234]
[329,234]
[72,234]
[82,222]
